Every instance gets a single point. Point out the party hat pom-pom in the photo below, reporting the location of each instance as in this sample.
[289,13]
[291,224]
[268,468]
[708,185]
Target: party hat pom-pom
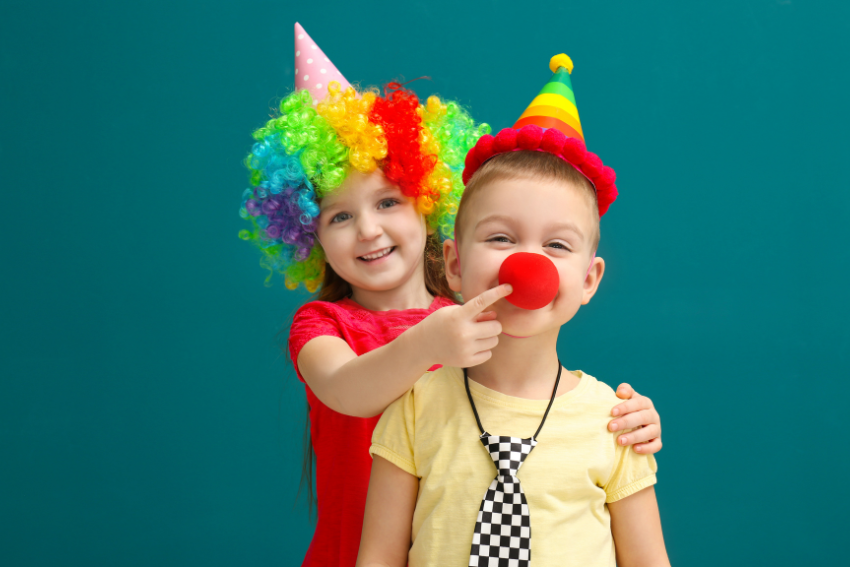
[505,140]
[529,137]
[573,151]
[561,60]
[592,165]
[605,198]
[553,141]
[472,161]
[484,147]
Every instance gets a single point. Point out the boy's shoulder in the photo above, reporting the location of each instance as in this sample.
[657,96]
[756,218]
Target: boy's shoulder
[593,397]
[596,390]
[438,381]
[438,393]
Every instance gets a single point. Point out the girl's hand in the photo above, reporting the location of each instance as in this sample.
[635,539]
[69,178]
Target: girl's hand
[462,335]
[638,412]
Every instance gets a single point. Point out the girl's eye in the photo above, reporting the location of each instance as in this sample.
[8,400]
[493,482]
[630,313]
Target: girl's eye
[387,203]
[559,246]
[341,217]
[499,238]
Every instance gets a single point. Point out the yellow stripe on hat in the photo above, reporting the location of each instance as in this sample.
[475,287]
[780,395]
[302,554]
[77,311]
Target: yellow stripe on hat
[557,101]
[552,112]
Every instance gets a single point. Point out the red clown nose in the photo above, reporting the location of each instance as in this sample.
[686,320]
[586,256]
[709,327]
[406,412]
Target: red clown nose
[533,277]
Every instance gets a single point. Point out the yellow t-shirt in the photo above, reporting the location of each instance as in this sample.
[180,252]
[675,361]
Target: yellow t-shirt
[576,467]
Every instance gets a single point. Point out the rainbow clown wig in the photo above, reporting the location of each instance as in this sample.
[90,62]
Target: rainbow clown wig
[307,151]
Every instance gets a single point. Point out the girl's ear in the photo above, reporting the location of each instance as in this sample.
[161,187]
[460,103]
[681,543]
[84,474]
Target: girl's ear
[452,264]
[591,281]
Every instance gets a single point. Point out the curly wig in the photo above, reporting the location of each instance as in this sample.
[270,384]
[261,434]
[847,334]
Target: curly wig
[307,150]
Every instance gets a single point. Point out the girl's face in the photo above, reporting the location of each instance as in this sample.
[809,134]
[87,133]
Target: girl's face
[372,235]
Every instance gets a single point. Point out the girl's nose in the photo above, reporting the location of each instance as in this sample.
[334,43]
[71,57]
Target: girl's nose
[368,228]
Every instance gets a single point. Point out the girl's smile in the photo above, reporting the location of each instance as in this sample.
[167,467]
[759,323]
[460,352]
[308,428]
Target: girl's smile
[377,256]
[374,238]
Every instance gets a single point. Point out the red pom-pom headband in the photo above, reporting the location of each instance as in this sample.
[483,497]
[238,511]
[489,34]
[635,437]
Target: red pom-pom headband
[550,140]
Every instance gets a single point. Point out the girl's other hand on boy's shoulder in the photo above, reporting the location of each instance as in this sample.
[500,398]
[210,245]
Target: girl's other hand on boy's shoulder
[636,412]
[463,335]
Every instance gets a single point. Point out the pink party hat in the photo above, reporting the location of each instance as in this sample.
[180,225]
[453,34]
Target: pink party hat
[313,69]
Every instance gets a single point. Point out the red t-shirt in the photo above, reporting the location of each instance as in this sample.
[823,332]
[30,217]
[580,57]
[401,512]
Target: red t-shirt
[341,442]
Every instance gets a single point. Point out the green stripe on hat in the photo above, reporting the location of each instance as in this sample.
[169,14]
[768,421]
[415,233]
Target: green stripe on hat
[562,76]
[559,88]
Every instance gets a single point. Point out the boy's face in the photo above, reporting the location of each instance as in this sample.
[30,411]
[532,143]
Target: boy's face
[544,217]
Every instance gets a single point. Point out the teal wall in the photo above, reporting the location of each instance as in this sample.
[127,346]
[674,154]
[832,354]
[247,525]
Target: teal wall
[146,413]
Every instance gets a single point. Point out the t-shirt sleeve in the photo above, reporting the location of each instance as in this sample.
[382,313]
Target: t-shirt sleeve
[394,435]
[316,319]
[632,473]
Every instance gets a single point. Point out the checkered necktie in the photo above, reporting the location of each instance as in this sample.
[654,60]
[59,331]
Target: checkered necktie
[502,536]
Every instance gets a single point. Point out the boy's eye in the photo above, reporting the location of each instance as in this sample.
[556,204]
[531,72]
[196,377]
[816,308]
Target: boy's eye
[499,238]
[339,217]
[559,246]
[387,203]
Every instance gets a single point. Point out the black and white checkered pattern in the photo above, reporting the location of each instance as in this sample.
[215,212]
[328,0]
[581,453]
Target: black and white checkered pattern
[502,535]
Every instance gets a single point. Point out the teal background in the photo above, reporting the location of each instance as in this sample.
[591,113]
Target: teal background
[147,415]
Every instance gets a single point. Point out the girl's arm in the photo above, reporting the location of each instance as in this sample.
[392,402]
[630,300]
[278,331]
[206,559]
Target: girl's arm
[389,516]
[636,527]
[638,411]
[363,386]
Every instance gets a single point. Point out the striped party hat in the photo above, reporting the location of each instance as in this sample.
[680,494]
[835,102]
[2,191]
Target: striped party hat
[550,124]
[313,69]
[555,106]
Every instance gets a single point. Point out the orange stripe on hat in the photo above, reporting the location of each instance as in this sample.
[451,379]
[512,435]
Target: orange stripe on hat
[549,122]
[553,112]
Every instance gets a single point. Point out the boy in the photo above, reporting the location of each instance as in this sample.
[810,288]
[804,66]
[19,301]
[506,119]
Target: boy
[534,189]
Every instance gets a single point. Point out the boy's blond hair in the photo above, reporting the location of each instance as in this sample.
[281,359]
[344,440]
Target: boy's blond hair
[528,165]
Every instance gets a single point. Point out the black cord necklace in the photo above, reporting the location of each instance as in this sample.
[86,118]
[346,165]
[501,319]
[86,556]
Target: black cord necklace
[545,414]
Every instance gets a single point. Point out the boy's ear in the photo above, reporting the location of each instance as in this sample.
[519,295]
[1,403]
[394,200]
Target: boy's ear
[591,281]
[452,264]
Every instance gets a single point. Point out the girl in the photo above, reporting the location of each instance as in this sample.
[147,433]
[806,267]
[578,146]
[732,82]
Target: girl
[351,197]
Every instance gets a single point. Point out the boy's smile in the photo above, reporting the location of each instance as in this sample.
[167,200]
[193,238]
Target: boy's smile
[528,215]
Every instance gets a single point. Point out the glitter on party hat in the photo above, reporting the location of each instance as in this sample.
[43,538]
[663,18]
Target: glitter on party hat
[313,69]
[550,124]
